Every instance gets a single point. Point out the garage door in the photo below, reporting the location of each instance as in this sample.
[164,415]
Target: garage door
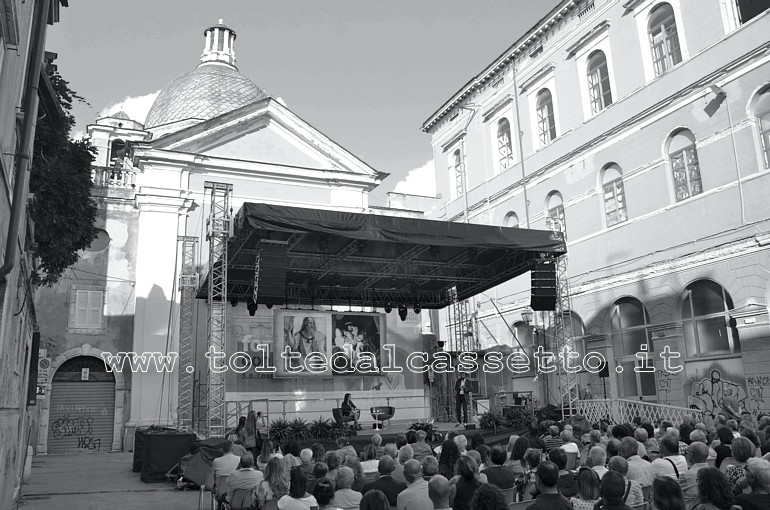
[82,411]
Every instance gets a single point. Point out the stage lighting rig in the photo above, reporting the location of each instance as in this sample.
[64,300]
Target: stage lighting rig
[402,312]
[388,308]
[417,309]
[252,307]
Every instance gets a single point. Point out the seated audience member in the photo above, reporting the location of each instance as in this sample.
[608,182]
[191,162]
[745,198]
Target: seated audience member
[669,463]
[511,442]
[462,491]
[638,468]
[699,436]
[319,472]
[297,498]
[318,452]
[566,485]
[633,494]
[567,444]
[666,494]
[358,474]
[345,498]
[497,474]
[682,446]
[333,461]
[386,483]
[488,497]
[346,449]
[611,492]
[276,482]
[227,463]
[438,492]
[597,458]
[713,492]
[516,460]
[447,459]
[306,457]
[743,450]
[377,442]
[370,460]
[484,451]
[411,436]
[688,480]
[758,478]
[420,448]
[429,467]
[552,440]
[290,448]
[613,447]
[549,497]
[374,500]
[462,443]
[724,449]
[323,492]
[595,437]
[390,449]
[400,440]
[476,456]
[245,477]
[588,484]
[415,496]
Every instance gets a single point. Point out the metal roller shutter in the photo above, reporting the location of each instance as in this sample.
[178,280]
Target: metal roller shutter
[81,416]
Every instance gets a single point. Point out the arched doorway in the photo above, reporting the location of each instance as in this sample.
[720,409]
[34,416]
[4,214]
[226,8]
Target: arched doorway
[82,408]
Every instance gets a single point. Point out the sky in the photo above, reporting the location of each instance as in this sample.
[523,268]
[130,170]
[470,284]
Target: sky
[367,73]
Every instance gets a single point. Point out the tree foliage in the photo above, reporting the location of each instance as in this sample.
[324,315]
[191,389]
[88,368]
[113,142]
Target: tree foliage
[62,208]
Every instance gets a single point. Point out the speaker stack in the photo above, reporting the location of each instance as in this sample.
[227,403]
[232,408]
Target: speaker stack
[543,293]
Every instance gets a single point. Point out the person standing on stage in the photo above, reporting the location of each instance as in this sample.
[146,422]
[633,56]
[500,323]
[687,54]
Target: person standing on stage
[462,390]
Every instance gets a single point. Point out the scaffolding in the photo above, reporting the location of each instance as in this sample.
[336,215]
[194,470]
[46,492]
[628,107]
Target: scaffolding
[218,231]
[188,286]
[562,321]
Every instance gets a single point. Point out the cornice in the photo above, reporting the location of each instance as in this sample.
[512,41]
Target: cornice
[452,140]
[540,73]
[499,105]
[588,37]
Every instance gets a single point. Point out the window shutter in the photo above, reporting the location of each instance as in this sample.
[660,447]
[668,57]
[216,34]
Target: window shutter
[81,309]
[95,309]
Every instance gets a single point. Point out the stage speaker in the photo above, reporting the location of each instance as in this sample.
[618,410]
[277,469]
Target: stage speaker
[543,293]
[605,371]
[272,273]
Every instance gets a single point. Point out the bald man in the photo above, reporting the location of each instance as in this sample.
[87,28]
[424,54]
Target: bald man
[697,453]
[415,497]
[438,491]
[633,494]
[386,483]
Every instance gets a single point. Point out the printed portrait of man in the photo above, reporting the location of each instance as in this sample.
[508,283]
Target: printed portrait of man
[309,338]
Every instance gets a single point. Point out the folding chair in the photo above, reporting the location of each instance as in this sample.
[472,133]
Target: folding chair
[571,460]
[727,461]
[509,495]
[219,492]
[521,505]
[243,499]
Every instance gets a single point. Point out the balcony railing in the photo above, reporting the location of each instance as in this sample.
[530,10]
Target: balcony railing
[624,411]
[113,177]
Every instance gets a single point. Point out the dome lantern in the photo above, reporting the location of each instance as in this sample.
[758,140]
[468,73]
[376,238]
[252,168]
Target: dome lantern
[219,45]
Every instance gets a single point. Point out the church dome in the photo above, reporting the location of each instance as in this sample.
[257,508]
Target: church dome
[211,89]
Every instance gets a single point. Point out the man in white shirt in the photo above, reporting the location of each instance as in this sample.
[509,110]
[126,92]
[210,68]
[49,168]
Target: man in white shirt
[415,496]
[568,445]
[438,490]
[638,468]
[223,466]
[597,458]
[669,462]
[688,481]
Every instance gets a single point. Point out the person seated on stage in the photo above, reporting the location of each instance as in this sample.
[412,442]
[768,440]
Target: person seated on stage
[245,477]
[350,411]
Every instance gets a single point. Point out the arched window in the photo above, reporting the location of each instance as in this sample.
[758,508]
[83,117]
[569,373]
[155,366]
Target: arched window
[599,92]
[511,220]
[708,327]
[684,165]
[546,124]
[664,40]
[628,327]
[761,110]
[614,195]
[458,172]
[504,147]
[117,152]
[555,206]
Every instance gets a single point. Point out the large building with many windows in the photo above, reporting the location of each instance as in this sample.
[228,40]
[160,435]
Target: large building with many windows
[642,129]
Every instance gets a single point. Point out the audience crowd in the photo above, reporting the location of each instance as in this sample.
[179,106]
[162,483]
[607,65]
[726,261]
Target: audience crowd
[719,464]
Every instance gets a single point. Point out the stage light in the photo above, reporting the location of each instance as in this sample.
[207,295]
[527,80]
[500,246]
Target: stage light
[388,308]
[417,309]
[402,312]
[269,307]
[234,302]
[252,307]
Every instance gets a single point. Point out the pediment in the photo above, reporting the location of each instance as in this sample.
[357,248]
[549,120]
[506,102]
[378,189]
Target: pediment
[265,132]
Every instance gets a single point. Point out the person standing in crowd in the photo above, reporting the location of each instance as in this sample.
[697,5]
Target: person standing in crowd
[462,391]
[248,434]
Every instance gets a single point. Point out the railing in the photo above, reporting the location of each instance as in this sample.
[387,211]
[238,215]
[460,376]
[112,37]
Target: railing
[624,411]
[587,7]
[113,177]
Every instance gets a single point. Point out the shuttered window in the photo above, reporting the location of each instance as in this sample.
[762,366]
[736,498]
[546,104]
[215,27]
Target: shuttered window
[88,309]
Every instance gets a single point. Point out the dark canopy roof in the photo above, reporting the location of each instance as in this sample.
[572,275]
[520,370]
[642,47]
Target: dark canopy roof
[373,260]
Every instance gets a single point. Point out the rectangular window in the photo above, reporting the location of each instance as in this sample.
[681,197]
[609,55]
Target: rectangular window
[615,202]
[686,172]
[599,90]
[546,124]
[637,384]
[88,309]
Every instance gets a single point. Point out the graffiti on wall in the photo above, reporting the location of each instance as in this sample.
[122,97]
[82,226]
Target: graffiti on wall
[712,382]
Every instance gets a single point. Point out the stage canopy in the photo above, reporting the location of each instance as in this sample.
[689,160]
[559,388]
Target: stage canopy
[320,257]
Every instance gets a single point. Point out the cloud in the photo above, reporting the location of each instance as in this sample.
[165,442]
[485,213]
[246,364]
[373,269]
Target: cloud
[135,107]
[419,181]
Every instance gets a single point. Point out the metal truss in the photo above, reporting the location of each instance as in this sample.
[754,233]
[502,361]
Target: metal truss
[218,231]
[562,320]
[188,285]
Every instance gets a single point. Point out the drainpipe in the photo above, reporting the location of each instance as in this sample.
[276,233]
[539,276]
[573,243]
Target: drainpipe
[24,157]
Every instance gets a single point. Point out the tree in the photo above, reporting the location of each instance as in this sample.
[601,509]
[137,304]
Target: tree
[62,208]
